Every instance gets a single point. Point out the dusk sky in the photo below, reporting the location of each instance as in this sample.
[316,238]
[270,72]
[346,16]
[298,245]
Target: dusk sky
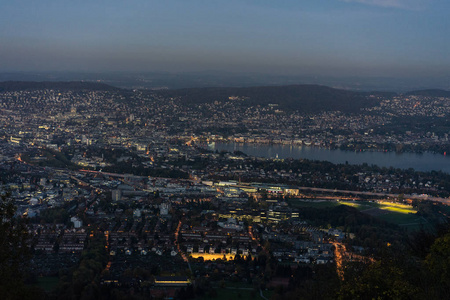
[320,37]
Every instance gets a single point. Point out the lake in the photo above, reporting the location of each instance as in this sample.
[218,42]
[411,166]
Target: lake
[420,162]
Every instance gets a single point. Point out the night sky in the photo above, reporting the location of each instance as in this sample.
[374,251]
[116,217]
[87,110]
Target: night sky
[320,37]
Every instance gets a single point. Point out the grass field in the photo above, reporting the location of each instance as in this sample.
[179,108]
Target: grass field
[382,205]
[313,203]
[360,205]
[400,218]
[397,207]
[397,213]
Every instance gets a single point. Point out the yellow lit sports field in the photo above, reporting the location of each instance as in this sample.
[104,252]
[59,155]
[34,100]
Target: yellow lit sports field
[397,213]
[383,205]
[397,207]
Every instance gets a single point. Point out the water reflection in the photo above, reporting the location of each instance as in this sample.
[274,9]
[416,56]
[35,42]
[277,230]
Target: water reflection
[417,161]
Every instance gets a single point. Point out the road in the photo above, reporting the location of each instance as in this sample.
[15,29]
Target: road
[183,255]
[339,252]
[341,255]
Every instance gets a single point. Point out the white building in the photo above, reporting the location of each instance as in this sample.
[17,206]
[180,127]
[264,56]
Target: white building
[116,195]
[77,223]
[164,209]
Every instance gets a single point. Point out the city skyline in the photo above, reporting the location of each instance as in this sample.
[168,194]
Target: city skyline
[340,37]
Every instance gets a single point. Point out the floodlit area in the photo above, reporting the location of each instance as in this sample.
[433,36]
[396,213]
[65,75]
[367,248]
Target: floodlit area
[352,204]
[207,256]
[397,207]
[383,205]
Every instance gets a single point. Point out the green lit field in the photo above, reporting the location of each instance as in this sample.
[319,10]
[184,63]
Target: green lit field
[397,213]
[382,205]
[361,205]
[397,207]
[313,203]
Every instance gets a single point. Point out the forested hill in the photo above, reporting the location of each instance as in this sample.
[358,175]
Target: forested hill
[58,85]
[306,98]
[430,93]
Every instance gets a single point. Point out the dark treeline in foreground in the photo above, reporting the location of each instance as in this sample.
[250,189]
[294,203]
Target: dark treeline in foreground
[412,266]
[417,271]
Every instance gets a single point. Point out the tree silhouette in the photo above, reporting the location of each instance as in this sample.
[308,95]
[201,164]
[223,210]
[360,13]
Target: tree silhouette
[14,253]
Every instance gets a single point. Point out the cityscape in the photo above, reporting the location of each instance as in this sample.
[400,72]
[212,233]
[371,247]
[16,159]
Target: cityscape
[124,195]
[254,150]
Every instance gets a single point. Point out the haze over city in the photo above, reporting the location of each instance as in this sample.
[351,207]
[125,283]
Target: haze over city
[389,38]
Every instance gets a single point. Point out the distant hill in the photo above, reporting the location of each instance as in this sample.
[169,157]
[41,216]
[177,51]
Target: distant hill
[305,98]
[430,93]
[61,86]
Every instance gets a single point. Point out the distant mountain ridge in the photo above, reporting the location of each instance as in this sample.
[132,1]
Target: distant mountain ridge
[62,86]
[430,93]
[305,98]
